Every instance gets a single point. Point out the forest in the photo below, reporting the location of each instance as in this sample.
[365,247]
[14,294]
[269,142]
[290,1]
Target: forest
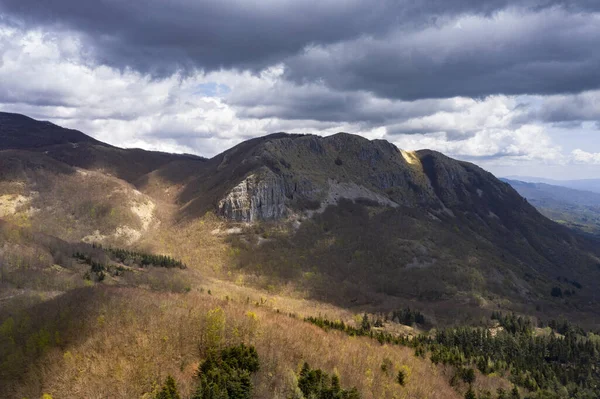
[559,364]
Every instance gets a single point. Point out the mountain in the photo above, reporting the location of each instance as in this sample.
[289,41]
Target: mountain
[581,184]
[397,224]
[574,208]
[348,254]
[368,222]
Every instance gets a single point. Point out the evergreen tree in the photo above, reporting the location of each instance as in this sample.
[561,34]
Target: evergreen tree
[401,377]
[227,375]
[365,325]
[316,384]
[470,394]
[168,390]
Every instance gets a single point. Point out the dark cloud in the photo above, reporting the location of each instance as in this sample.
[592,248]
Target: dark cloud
[582,107]
[537,53]
[345,61]
[315,102]
[563,111]
[162,37]
[40,98]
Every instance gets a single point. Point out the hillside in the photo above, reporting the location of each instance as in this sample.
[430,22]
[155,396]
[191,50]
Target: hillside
[370,223]
[574,208]
[288,243]
[21,132]
[74,148]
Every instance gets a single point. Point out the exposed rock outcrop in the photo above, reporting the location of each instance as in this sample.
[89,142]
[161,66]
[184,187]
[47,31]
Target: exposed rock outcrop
[260,196]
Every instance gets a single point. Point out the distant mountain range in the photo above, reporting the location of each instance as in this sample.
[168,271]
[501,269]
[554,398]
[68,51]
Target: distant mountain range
[580,184]
[577,209]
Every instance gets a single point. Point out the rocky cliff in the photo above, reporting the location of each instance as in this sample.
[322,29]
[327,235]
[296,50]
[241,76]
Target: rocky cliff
[260,196]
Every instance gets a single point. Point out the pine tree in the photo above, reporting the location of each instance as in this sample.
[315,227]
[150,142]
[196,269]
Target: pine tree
[401,378]
[470,394]
[169,390]
[468,376]
[335,384]
[365,325]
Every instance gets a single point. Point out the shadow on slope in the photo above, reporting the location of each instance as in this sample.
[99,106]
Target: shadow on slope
[359,254]
[74,148]
[28,335]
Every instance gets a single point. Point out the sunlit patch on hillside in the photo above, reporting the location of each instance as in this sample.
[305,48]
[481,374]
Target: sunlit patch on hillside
[410,157]
[10,203]
[144,211]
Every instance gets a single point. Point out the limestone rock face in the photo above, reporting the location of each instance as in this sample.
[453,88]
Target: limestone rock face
[260,196]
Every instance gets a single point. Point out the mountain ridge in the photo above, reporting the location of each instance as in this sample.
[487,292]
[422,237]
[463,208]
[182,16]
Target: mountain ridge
[578,184]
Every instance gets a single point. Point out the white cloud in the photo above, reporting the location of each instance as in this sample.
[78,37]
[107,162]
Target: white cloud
[584,157]
[527,143]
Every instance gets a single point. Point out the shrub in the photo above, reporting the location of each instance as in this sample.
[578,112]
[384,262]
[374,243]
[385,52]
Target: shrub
[556,292]
[386,365]
[468,375]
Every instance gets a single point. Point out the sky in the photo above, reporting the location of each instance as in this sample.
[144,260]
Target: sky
[512,85]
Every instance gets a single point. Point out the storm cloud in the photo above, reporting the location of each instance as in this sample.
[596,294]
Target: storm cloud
[396,49]
[500,81]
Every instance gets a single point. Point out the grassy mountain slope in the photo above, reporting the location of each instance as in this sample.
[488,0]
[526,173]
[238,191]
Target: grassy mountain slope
[341,211]
[121,337]
[148,347]
[71,203]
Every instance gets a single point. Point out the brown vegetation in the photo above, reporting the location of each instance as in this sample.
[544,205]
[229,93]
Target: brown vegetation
[101,343]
